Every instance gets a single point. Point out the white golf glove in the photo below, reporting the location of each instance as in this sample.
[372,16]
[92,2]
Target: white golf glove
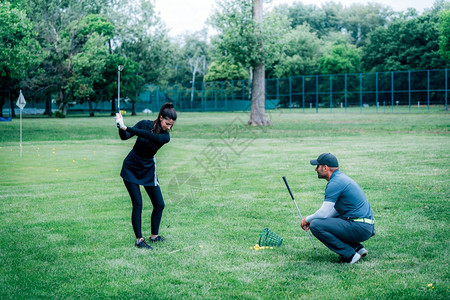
[119,121]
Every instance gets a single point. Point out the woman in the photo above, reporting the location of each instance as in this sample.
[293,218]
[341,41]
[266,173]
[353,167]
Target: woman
[139,167]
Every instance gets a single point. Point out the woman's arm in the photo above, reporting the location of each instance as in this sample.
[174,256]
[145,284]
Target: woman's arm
[122,128]
[125,135]
[157,138]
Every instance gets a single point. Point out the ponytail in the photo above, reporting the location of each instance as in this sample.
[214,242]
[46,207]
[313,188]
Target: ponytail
[167,111]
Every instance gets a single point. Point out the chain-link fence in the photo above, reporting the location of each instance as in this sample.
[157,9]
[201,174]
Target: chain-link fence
[378,92]
[364,90]
[367,91]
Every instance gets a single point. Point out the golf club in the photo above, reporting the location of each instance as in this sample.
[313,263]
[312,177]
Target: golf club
[301,218]
[119,69]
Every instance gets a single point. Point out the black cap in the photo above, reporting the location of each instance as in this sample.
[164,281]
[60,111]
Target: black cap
[326,159]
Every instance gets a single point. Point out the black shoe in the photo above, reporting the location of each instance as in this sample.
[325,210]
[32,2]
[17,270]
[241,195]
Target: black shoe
[143,244]
[157,239]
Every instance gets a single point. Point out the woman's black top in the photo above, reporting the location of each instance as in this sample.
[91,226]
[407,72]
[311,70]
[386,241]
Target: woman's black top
[140,166]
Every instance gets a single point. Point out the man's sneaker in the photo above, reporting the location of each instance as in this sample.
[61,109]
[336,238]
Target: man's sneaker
[350,260]
[157,239]
[355,258]
[363,252]
[143,244]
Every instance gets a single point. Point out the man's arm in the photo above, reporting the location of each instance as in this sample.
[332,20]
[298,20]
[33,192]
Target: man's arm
[325,211]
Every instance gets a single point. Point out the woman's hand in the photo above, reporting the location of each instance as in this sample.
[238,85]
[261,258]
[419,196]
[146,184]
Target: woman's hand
[119,121]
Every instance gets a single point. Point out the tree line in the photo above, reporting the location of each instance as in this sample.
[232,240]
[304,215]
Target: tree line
[69,50]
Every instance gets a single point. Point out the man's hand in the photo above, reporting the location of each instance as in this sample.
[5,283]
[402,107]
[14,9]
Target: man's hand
[119,121]
[305,225]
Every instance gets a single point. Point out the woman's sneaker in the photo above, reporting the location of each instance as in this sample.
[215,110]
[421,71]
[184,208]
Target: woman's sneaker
[157,239]
[142,244]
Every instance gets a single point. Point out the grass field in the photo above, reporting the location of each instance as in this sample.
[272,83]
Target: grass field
[65,229]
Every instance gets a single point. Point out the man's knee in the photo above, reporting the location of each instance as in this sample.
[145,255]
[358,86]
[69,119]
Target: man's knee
[316,226]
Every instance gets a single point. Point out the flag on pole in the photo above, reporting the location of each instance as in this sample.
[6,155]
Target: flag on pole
[21,104]
[21,101]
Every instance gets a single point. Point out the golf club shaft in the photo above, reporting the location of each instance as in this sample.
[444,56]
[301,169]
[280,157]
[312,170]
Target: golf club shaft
[118,89]
[298,209]
[289,189]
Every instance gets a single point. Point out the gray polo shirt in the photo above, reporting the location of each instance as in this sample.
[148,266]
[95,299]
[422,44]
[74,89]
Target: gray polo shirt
[348,198]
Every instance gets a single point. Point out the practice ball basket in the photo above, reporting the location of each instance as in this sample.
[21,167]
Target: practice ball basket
[269,238]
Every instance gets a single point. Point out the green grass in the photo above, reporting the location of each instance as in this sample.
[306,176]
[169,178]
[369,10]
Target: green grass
[65,227]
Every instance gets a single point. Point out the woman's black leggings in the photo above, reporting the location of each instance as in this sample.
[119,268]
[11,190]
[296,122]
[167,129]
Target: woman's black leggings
[154,192]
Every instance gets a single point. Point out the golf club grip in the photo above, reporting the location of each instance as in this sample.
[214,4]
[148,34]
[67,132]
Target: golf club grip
[289,189]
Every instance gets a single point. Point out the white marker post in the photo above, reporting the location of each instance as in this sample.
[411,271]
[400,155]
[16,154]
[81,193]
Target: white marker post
[21,104]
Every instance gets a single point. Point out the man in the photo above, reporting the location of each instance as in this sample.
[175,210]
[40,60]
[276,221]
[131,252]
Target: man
[345,218]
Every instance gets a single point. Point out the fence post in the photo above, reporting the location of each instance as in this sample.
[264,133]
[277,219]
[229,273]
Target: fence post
[232,90]
[392,91]
[213,94]
[157,97]
[428,90]
[345,92]
[376,90]
[303,92]
[317,93]
[409,90]
[360,92]
[446,90]
[331,92]
[243,89]
[202,103]
[178,98]
[278,88]
[290,92]
[223,95]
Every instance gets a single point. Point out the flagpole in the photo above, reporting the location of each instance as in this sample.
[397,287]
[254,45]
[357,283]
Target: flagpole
[21,104]
[21,133]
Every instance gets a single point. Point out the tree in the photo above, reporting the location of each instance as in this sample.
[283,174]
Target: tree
[64,28]
[89,63]
[301,53]
[195,52]
[444,34]
[223,71]
[88,68]
[343,58]
[360,20]
[191,55]
[146,48]
[148,61]
[18,47]
[246,37]
[321,20]
[404,45]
